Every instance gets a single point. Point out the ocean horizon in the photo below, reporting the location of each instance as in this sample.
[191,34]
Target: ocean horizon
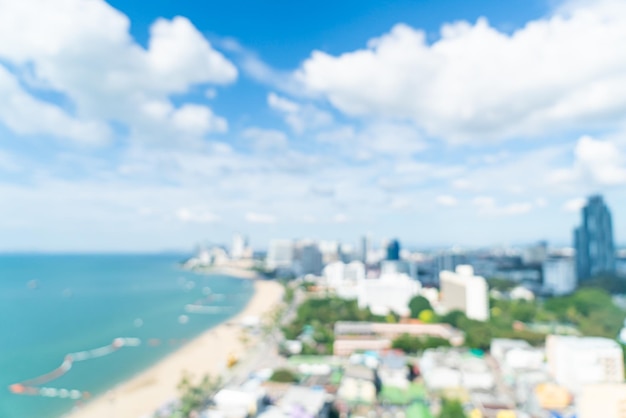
[55,304]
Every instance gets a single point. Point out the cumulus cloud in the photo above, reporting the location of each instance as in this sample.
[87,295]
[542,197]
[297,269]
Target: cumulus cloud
[574,205]
[596,163]
[196,216]
[260,218]
[446,200]
[25,115]
[478,83]
[374,140]
[300,117]
[82,50]
[487,206]
[266,139]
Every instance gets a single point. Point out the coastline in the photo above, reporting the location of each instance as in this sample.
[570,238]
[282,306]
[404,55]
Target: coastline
[208,353]
[237,272]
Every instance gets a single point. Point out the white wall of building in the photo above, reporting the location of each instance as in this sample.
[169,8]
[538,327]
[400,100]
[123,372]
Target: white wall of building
[559,275]
[577,361]
[461,290]
[389,293]
[280,254]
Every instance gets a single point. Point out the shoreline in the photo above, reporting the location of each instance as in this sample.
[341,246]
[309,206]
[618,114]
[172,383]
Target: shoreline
[208,353]
[236,272]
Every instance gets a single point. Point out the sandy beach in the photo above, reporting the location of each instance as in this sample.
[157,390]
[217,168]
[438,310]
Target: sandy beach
[207,354]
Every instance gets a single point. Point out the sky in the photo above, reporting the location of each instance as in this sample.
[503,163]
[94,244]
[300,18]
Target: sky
[149,126]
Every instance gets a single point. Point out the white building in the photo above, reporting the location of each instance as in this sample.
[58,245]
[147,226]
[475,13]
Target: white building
[339,273]
[330,251]
[280,254]
[576,361]
[603,400]
[389,293]
[559,275]
[238,249]
[463,291]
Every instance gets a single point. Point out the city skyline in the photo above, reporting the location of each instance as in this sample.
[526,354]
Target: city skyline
[133,128]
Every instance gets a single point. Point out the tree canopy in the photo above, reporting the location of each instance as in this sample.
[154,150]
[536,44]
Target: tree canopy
[419,304]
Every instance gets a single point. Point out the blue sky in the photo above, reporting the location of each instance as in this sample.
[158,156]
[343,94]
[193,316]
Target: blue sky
[133,127]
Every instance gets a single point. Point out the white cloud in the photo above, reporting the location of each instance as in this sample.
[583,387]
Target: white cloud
[260,218]
[196,216]
[476,83]
[300,117]
[574,205]
[266,139]
[25,115]
[82,49]
[447,200]
[487,206]
[596,163]
[374,140]
[340,218]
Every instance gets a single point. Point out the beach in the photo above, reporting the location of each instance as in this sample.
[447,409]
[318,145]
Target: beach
[206,354]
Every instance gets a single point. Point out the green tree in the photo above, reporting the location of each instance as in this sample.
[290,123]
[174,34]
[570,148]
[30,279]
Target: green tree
[411,344]
[427,316]
[451,408]
[477,334]
[192,396]
[419,304]
[523,311]
[284,376]
[454,318]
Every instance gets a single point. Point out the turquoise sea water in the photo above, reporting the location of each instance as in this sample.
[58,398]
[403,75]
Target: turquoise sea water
[84,302]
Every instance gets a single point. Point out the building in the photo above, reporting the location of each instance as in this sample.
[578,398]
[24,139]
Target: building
[330,251]
[300,401]
[389,293]
[347,329]
[393,370]
[339,273]
[593,240]
[364,249]
[463,291]
[577,361]
[239,247]
[393,250]
[309,259]
[357,386]
[280,254]
[346,347]
[559,275]
[535,254]
[603,400]
[447,368]
[398,266]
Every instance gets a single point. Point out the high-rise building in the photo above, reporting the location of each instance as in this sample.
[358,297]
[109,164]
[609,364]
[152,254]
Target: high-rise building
[593,240]
[364,249]
[393,250]
[536,254]
[239,246]
[559,275]
[280,254]
[462,291]
[310,259]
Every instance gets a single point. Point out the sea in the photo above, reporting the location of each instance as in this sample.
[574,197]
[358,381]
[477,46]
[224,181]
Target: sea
[52,305]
